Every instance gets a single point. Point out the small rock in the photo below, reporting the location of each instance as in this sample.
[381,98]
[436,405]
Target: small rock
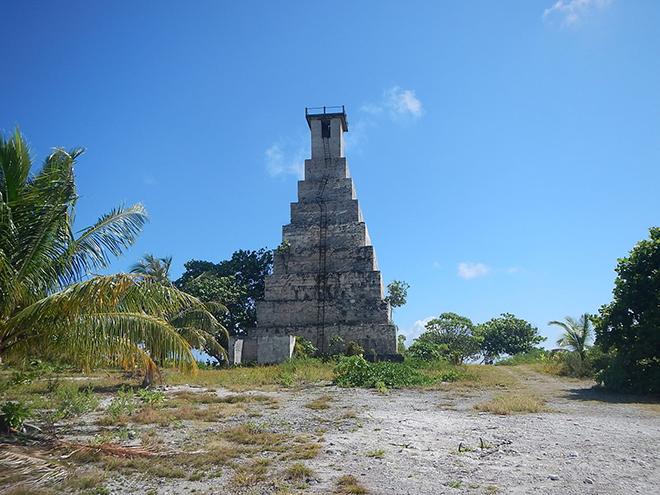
[589,481]
[553,477]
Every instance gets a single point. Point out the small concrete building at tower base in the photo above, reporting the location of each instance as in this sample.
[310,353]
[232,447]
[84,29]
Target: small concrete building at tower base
[326,286]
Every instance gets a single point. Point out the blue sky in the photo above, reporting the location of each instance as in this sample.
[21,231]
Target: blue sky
[505,153]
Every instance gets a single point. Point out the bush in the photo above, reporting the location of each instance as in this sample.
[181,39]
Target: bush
[151,397]
[534,356]
[72,401]
[355,371]
[303,348]
[354,349]
[13,414]
[122,405]
[427,351]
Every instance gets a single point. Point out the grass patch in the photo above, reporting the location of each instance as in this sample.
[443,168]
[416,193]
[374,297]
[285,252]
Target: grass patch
[250,474]
[349,485]
[155,467]
[252,434]
[512,404]
[377,454]
[211,398]
[300,451]
[320,403]
[85,480]
[296,372]
[298,472]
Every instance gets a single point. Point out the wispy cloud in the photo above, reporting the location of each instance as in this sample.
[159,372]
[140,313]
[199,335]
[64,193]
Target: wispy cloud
[571,12]
[468,270]
[397,103]
[282,160]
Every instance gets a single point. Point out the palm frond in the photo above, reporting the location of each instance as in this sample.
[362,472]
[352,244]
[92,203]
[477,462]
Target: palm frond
[111,234]
[15,164]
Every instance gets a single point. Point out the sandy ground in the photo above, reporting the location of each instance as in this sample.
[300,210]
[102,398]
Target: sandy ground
[589,445]
[407,442]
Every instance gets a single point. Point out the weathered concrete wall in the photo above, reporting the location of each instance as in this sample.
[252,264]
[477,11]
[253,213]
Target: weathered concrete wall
[328,284]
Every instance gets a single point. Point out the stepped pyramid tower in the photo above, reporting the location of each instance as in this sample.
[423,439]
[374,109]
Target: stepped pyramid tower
[325,282]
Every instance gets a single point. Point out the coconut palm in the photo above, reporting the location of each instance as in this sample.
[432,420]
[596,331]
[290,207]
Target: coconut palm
[156,268]
[196,325]
[49,304]
[576,333]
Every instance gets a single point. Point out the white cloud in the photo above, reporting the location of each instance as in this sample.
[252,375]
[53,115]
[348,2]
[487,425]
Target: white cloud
[469,270]
[279,162]
[571,12]
[397,103]
[416,330]
[436,265]
[403,102]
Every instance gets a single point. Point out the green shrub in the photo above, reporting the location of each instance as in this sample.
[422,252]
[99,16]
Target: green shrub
[151,397]
[72,401]
[13,414]
[573,365]
[534,356]
[355,371]
[427,351]
[124,404]
[303,348]
[354,349]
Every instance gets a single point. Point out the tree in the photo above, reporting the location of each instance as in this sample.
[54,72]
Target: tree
[197,325]
[156,268]
[238,282]
[49,305]
[506,334]
[628,328]
[453,336]
[577,333]
[397,293]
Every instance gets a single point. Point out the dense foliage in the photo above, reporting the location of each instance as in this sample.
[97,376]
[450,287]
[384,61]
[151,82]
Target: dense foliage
[628,329]
[49,307]
[450,336]
[355,371]
[238,282]
[508,335]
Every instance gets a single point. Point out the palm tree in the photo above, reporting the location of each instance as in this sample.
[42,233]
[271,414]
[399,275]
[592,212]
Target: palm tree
[576,333]
[50,306]
[156,268]
[196,325]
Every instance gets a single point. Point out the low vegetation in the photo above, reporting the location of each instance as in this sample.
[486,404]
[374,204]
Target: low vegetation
[512,403]
[349,485]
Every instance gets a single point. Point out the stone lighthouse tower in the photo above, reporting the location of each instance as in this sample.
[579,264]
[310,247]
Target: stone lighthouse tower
[325,283]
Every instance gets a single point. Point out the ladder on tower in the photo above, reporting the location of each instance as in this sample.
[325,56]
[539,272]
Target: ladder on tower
[322,282]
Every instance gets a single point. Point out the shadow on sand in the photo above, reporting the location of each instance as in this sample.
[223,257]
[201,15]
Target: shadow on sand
[599,394]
